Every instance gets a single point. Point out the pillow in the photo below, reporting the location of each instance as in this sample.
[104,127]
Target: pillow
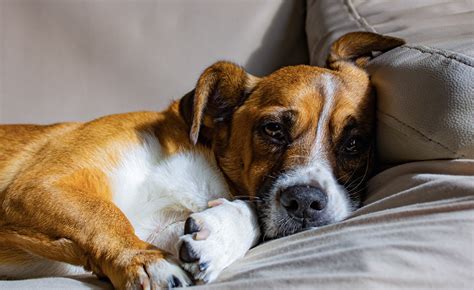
[425,89]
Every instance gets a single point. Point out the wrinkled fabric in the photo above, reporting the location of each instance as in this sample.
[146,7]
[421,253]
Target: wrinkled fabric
[415,231]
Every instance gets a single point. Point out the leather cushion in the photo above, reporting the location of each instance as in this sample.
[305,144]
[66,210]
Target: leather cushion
[425,92]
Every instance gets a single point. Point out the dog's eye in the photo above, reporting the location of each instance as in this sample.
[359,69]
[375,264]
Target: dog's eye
[352,146]
[275,131]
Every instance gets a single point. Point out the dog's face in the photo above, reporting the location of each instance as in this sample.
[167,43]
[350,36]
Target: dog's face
[299,141]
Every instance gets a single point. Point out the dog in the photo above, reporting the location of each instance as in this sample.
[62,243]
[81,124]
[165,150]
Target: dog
[141,197]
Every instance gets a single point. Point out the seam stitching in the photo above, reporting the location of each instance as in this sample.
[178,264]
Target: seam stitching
[420,133]
[352,13]
[440,53]
[357,17]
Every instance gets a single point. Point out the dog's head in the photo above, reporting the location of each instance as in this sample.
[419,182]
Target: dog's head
[299,141]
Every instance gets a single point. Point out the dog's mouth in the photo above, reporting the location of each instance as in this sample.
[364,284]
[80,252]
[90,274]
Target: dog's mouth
[287,205]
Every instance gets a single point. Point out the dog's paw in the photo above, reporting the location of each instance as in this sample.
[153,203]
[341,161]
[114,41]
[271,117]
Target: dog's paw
[164,274]
[216,237]
[149,271]
[201,250]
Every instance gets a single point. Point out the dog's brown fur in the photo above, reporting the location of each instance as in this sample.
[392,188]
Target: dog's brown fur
[54,194]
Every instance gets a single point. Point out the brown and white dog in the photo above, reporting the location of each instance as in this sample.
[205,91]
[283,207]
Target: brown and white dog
[114,195]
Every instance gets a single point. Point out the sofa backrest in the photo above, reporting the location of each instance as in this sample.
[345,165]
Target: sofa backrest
[77,60]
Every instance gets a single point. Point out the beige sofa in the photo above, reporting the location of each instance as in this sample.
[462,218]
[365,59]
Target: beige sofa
[75,60]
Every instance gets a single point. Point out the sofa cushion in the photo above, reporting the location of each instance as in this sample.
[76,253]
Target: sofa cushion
[425,92]
[414,232]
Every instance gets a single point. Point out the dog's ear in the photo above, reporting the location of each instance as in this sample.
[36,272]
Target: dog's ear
[220,90]
[357,47]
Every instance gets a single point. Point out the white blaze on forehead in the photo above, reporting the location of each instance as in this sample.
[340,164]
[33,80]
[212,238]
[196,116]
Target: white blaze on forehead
[327,85]
[317,171]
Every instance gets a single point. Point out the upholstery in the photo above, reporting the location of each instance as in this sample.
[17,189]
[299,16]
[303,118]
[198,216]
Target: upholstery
[425,88]
[76,60]
[79,60]
[415,231]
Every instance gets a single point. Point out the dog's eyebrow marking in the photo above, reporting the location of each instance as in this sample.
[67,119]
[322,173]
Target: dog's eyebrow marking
[328,87]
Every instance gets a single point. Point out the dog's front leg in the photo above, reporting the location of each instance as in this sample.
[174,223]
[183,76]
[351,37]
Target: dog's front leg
[215,238]
[87,229]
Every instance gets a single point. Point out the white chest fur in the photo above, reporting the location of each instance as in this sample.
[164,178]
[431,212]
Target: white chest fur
[155,192]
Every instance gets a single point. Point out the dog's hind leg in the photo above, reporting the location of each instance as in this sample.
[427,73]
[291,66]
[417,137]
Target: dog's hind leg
[69,224]
[27,254]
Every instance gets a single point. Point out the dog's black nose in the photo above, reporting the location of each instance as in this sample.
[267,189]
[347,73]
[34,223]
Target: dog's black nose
[303,201]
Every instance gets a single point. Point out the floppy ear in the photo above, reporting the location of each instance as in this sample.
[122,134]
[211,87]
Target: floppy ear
[357,47]
[220,90]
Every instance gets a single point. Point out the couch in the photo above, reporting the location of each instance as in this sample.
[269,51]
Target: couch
[76,60]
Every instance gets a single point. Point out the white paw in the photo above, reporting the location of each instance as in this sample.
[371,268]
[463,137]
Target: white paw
[216,237]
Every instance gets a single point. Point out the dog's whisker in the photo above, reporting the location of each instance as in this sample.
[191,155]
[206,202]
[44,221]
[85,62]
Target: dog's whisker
[355,193]
[353,172]
[354,181]
[284,226]
[363,176]
[365,172]
[270,176]
[245,196]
